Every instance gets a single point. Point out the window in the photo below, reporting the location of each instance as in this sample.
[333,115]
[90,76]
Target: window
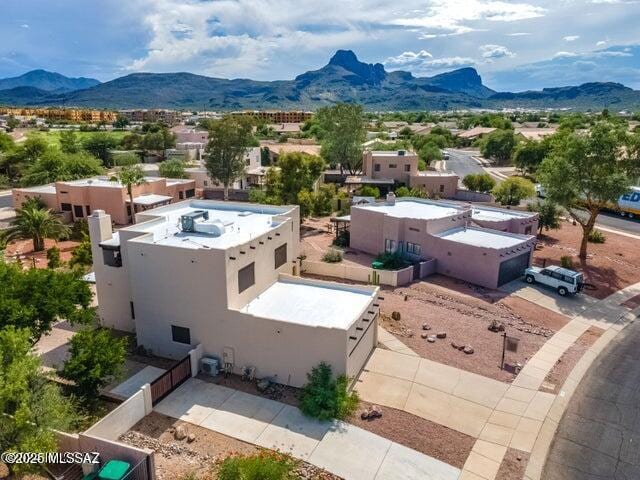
[247,162]
[389,245]
[376,167]
[88,209]
[413,229]
[181,195]
[392,165]
[181,334]
[441,188]
[413,248]
[280,255]
[65,207]
[205,183]
[246,277]
[527,230]
[133,311]
[112,257]
[190,193]
[78,212]
[63,191]
[407,168]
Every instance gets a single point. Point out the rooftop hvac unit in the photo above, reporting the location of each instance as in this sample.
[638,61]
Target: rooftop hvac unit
[401,153]
[188,220]
[210,366]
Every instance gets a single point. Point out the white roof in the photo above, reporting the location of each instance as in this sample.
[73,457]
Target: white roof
[243,222]
[51,189]
[151,199]
[104,182]
[414,208]
[480,237]
[315,305]
[435,173]
[496,214]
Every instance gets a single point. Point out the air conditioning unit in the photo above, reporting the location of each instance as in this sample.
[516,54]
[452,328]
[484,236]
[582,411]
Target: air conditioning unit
[210,366]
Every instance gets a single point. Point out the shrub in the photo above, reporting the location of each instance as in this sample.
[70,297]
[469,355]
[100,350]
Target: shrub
[369,191]
[512,190]
[479,182]
[596,236]
[326,398]
[343,239]
[332,256]
[566,262]
[53,258]
[79,230]
[262,466]
[391,261]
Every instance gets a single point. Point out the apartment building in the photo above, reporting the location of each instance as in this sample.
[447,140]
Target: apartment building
[222,275]
[276,116]
[62,114]
[78,198]
[401,166]
[168,117]
[446,234]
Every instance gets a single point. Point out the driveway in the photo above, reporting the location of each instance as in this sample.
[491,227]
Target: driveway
[338,447]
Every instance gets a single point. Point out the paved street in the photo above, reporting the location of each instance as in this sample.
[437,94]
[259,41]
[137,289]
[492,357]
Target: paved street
[599,433]
[461,163]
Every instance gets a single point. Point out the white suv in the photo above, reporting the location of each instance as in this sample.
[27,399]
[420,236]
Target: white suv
[565,281]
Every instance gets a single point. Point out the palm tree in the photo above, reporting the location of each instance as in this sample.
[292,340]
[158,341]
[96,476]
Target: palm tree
[130,176]
[36,223]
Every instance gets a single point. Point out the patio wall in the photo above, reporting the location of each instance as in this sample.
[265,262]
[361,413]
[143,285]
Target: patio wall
[127,414]
[471,196]
[355,273]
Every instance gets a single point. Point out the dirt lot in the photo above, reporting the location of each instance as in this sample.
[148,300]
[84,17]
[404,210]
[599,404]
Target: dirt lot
[24,249]
[316,239]
[610,266]
[417,433]
[465,312]
[559,373]
[176,459]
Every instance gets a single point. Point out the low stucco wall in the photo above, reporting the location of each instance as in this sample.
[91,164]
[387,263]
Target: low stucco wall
[471,196]
[126,415]
[393,278]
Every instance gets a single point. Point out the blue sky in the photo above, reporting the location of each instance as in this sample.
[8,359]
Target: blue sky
[515,45]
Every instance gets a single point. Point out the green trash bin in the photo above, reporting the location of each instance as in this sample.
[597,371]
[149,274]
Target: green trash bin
[377,265]
[114,470]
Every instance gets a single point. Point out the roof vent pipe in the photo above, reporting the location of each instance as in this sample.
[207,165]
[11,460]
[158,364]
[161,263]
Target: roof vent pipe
[391,198]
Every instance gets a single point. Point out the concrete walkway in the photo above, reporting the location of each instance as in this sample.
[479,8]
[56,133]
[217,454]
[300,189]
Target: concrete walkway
[338,447]
[392,343]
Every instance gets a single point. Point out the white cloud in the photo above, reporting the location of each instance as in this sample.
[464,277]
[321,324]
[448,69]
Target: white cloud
[423,62]
[571,38]
[518,34]
[450,62]
[601,43]
[565,54]
[492,52]
[408,59]
[24,25]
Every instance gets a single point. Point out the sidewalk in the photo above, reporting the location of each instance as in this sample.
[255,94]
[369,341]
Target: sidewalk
[338,447]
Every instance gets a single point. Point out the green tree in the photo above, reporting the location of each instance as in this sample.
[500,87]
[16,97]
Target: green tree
[298,171]
[529,154]
[69,142]
[344,132]
[100,145]
[548,215]
[129,177]
[36,224]
[369,191]
[479,182]
[120,122]
[499,144]
[31,406]
[512,190]
[429,152]
[173,169]
[33,148]
[131,141]
[12,123]
[81,255]
[586,173]
[158,141]
[53,257]
[36,298]
[325,397]
[96,358]
[410,192]
[55,166]
[229,139]
[123,159]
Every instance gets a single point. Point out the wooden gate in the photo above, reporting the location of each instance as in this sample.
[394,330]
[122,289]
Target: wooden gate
[170,380]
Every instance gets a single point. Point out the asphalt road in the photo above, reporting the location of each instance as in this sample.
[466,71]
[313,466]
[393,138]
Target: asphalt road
[599,434]
[5,199]
[462,163]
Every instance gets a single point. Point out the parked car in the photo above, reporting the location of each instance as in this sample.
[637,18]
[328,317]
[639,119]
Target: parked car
[445,155]
[565,281]
[540,191]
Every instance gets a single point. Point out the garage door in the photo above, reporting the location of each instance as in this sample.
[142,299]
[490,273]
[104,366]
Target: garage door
[513,268]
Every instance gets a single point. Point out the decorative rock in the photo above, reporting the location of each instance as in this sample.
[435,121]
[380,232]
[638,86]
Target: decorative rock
[376,412]
[468,350]
[431,339]
[396,316]
[455,345]
[180,433]
[424,335]
[4,470]
[263,385]
[441,334]
[461,347]
[190,438]
[426,326]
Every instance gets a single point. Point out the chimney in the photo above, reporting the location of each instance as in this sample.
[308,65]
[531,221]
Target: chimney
[391,198]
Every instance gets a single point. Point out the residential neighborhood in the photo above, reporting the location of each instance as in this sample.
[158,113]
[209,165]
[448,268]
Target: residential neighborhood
[371,271]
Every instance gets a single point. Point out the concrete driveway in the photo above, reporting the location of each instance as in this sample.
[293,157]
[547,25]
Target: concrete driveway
[548,298]
[338,447]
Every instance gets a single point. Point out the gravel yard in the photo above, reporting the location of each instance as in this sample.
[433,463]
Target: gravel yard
[610,266]
[464,313]
[513,465]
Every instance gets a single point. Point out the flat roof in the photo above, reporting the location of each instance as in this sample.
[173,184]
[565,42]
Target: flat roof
[497,214]
[414,208]
[358,179]
[434,173]
[393,153]
[242,223]
[311,304]
[481,237]
[151,199]
[104,182]
[50,188]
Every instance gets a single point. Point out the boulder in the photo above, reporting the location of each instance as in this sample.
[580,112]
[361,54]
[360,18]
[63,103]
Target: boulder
[190,438]
[455,345]
[396,316]
[431,339]
[180,432]
[468,350]
[424,335]
[441,335]
[426,326]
